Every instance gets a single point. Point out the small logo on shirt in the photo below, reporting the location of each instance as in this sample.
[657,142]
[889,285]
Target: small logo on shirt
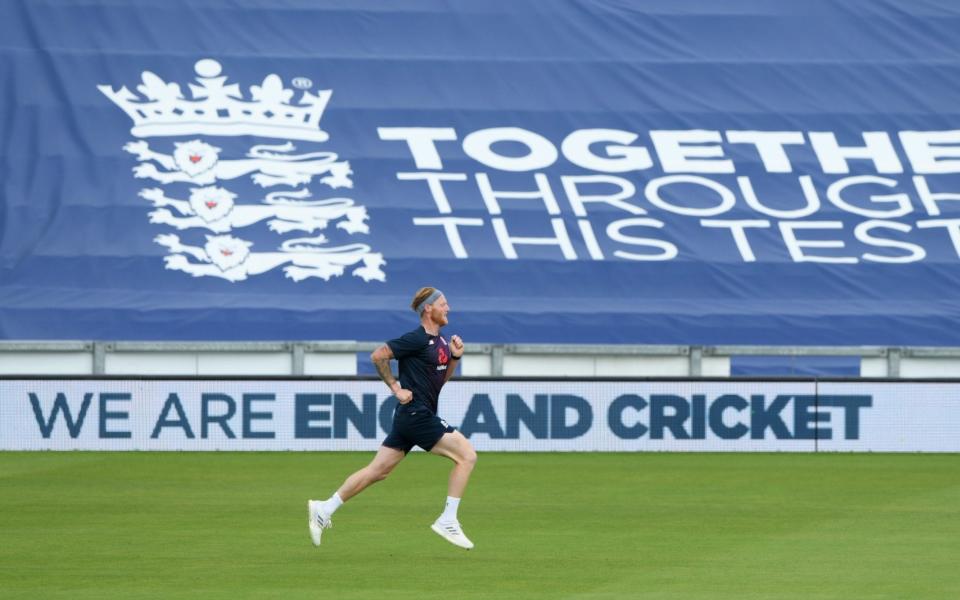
[442,357]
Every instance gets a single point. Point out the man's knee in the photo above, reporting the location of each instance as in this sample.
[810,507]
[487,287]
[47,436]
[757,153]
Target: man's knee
[469,458]
[379,472]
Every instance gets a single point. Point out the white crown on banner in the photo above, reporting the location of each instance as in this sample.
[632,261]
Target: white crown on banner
[220,109]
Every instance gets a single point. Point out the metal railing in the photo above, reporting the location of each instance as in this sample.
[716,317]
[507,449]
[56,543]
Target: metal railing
[298,350]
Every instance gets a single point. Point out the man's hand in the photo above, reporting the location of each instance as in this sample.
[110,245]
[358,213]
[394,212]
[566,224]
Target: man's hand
[404,396]
[456,346]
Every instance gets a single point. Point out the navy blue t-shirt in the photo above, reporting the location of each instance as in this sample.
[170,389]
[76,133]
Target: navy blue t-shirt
[423,362]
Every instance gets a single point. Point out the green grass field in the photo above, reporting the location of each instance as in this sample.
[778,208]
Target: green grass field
[546,526]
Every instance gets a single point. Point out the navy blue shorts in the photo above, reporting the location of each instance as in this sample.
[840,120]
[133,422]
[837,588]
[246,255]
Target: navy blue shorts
[414,425]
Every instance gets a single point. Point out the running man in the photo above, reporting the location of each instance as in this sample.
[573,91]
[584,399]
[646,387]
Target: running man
[427,361]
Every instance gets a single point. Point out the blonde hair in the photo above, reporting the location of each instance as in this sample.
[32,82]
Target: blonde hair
[421,295]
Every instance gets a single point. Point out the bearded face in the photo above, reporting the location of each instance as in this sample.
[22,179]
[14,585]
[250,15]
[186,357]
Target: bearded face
[226,251]
[211,203]
[195,157]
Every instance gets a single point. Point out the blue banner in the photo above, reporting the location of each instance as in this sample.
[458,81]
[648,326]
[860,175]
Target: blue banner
[581,172]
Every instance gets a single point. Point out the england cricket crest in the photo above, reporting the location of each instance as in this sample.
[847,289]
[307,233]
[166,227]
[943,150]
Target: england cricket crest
[217,197]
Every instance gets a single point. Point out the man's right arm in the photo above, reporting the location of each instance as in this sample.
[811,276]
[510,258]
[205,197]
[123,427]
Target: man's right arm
[381,360]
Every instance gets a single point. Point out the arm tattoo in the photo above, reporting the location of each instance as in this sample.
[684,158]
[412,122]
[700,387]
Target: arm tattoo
[383,369]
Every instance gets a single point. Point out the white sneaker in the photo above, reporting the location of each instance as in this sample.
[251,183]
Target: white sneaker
[317,521]
[451,531]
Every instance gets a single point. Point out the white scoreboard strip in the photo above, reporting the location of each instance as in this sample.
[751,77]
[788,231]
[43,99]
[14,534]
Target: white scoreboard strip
[502,415]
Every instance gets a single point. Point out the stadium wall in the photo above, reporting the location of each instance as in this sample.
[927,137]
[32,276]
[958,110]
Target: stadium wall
[517,414]
[347,358]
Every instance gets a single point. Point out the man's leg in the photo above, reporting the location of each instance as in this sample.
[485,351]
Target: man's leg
[320,513]
[382,464]
[458,449]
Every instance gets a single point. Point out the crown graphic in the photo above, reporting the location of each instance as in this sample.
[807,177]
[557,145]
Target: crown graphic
[220,109]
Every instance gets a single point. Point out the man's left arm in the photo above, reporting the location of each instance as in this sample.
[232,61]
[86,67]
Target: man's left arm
[456,353]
